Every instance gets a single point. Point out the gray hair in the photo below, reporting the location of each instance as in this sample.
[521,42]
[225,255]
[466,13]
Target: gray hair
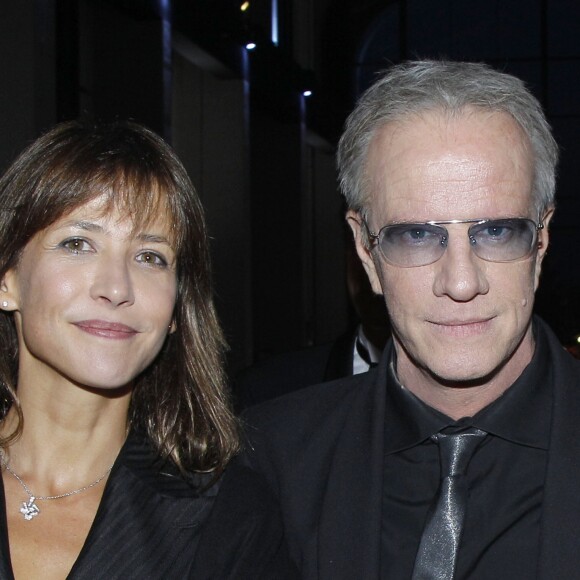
[418,86]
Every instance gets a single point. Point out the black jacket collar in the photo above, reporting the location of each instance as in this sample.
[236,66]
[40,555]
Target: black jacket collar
[349,536]
[148,514]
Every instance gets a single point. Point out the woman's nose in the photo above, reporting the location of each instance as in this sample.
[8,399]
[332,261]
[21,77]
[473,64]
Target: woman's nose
[112,283]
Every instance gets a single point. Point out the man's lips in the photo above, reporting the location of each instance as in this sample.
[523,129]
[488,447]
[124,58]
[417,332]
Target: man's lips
[462,327]
[461,321]
[106,329]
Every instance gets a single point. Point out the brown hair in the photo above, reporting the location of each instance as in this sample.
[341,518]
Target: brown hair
[180,401]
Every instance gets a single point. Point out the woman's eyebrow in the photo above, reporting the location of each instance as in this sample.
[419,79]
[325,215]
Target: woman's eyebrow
[83,225]
[94,227]
[154,239]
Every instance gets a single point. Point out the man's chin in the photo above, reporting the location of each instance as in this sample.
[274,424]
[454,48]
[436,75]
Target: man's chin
[463,380]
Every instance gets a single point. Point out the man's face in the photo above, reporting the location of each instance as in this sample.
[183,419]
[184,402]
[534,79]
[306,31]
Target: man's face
[460,320]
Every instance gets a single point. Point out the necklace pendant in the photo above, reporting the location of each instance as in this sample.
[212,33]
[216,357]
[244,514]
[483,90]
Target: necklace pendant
[29,509]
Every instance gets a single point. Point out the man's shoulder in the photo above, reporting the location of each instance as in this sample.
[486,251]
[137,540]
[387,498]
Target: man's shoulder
[315,408]
[290,371]
[563,363]
[330,393]
[285,372]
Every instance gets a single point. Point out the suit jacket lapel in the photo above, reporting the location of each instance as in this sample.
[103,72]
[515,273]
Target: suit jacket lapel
[340,358]
[350,524]
[5,569]
[560,547]
[146,520]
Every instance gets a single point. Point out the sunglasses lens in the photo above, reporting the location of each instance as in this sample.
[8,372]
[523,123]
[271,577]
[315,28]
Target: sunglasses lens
[501,240]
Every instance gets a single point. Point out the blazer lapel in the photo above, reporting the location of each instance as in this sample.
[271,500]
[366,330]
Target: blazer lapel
[147,523]
[350,524]
[5,569]
[560,544]
[340,358]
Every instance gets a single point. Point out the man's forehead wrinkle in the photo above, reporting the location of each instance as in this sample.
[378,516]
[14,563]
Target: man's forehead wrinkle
[454,171]
[435,176]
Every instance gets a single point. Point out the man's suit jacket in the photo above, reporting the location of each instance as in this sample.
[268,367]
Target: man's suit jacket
[321,449]
[284,373]
[153,525]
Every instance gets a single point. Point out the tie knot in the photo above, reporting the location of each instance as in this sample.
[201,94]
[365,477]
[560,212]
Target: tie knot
[456,449]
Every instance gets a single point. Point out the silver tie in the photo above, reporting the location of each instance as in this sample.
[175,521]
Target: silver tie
[437,554]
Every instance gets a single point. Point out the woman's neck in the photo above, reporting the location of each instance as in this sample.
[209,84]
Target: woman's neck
[66,440]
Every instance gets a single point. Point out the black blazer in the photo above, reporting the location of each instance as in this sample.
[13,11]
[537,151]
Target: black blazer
[284,373]
[154,525]
[321,449]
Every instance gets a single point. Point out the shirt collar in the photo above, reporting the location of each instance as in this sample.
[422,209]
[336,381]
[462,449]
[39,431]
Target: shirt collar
[374,353]
[521,415]
[365,354]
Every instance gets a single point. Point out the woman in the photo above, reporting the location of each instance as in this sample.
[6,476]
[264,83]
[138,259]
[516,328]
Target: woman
[116,429]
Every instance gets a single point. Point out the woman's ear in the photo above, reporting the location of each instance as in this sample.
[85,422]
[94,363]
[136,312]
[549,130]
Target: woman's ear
[8,292]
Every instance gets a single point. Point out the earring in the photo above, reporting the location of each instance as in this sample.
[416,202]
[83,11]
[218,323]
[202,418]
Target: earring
[4,304]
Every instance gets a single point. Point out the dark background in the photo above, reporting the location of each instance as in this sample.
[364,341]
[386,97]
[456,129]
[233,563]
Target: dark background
[261,153]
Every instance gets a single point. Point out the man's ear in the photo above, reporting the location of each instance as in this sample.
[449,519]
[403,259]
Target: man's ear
[9,292]
[543,234]
[354,220]
[543,240]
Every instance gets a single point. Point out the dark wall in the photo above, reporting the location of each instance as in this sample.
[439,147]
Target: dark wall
[536,40]
[113,58]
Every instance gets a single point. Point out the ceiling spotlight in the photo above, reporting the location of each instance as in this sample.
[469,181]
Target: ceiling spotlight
[250,46]
[307,93]
[244,6]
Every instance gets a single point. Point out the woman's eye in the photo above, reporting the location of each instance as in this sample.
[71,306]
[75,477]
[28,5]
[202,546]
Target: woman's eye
[152,258]
[75,245]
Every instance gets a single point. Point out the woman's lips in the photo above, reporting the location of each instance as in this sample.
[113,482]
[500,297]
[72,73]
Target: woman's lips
[105,329]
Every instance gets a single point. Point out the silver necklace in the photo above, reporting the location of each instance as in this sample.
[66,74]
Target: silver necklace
[29,508]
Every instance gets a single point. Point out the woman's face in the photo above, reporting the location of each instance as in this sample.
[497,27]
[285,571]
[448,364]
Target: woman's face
[93,299]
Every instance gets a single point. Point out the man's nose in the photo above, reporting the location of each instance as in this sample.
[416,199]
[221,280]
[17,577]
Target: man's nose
[459,271]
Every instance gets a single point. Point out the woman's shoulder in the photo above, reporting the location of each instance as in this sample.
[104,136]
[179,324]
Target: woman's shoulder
[244,535]
[236,526]
[139,462]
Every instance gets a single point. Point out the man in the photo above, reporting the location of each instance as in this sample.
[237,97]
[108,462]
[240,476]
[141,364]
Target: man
[449,173]
[352,353]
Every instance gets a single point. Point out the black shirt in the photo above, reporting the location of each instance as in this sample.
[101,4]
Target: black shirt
[505,478]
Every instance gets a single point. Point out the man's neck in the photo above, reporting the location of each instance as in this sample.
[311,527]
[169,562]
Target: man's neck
[461,399]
